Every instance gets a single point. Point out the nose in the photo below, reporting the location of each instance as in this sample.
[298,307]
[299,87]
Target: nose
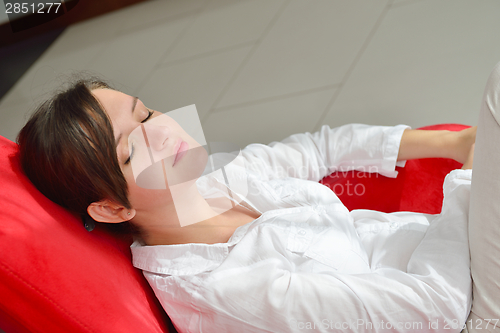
[157,136]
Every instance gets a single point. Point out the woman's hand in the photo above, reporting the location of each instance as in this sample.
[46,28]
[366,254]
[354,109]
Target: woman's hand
[463,142]
[470,157]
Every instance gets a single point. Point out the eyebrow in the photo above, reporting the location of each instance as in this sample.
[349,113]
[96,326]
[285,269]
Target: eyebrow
[134,104]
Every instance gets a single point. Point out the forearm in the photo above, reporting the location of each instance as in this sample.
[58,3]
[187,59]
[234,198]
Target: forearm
[446,144]
[426,144]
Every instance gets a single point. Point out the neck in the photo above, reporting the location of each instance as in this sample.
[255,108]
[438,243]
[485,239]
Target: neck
[210,231]
[188,218]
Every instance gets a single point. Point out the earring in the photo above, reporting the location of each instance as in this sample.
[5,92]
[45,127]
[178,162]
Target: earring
[88,222]
[128,213]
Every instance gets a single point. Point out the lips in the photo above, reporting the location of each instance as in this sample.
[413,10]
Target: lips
[180,150]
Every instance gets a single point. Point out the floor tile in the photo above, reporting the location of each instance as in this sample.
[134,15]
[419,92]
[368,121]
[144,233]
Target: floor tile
[13,119]
[268,121]
[225,23]
[89,32]
[404,2]
[312,44]
[427,63]
[153,12]
[129,58]
[198,82]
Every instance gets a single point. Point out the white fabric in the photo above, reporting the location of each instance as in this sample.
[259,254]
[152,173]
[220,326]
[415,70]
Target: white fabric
[308,264]
[484,231]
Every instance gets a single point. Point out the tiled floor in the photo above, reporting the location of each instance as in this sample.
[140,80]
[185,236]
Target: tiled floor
[260,70]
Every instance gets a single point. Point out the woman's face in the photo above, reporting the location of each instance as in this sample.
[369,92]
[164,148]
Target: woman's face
[152,149]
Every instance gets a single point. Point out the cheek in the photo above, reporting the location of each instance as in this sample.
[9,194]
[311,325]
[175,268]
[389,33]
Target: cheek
[145,199]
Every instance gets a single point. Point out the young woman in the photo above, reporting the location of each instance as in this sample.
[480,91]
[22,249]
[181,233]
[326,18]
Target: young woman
[287,256]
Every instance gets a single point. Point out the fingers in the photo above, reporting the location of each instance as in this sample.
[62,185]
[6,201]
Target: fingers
[470,158]
[465,139]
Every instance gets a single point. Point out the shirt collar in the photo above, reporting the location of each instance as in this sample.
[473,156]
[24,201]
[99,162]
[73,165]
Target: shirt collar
[185,259]
[181,259]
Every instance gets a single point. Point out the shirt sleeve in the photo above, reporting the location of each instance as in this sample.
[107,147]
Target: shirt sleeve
[314,156]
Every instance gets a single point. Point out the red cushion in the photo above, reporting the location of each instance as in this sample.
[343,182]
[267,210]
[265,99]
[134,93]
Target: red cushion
[57,277]
[418,187]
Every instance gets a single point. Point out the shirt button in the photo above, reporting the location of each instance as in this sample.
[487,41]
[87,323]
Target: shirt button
[394,225]
[302,232]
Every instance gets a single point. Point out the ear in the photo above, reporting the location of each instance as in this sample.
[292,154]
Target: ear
[109,212]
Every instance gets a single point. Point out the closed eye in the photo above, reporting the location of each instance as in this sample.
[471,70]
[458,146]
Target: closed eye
[130,156]
[150,113]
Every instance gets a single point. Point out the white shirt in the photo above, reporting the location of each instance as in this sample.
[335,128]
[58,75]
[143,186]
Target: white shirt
[307,263]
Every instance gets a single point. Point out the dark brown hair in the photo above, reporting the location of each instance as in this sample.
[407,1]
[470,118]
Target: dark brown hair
[68,151]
